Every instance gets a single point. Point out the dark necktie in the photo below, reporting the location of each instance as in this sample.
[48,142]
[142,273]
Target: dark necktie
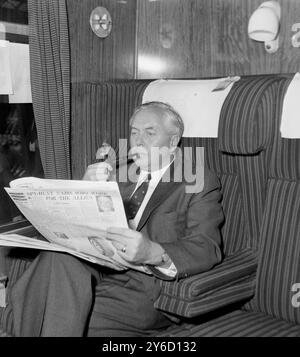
[133,203]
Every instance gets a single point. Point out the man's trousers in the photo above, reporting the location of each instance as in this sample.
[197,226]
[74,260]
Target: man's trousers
[60,295]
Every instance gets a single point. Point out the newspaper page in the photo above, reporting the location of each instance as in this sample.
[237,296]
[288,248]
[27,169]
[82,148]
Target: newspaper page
[73,216]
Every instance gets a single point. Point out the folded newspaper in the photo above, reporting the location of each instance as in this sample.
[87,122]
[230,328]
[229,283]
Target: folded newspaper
[73,216]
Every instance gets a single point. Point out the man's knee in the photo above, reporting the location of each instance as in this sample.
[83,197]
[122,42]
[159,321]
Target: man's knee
[57,258]
[66,263]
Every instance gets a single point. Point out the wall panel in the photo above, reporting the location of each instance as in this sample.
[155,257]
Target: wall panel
[176,38]
[200,38]
[94,59]
[168,44]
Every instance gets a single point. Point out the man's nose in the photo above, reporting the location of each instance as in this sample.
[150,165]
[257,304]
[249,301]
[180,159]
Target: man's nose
[139,140]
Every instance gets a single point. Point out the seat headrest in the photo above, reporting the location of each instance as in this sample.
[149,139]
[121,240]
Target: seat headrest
[198,101]
[246,115]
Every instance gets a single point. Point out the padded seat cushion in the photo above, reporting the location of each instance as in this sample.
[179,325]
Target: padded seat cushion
[279,263]
[232,280]
[237,324]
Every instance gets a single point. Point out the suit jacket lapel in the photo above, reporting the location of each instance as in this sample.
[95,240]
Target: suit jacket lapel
[161,192]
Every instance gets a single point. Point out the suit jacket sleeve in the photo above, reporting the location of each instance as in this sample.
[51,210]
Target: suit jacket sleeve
[198,250]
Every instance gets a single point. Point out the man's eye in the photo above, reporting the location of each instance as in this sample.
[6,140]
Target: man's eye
[150,133]
[133,133]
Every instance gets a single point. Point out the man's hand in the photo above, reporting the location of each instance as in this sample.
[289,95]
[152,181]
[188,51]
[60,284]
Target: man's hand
[134,247]
[98,172]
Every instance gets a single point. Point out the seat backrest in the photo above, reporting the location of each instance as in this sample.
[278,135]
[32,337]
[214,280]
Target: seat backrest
[239,156]
[244,134]
[279,257]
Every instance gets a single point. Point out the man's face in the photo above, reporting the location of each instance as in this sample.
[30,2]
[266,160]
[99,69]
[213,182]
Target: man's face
[150,134]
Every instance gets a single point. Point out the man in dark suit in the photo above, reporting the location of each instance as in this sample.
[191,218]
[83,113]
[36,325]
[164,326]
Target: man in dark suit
[174,231]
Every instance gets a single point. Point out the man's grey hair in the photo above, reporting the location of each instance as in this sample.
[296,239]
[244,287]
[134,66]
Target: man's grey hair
[168,112]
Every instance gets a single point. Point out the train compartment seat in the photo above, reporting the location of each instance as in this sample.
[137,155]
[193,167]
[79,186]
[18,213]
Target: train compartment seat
[249,292]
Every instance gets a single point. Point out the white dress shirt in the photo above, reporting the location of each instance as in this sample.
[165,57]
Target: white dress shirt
[133,223]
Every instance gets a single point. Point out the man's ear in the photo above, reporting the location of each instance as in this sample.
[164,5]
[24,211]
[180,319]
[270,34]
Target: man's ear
[174,141]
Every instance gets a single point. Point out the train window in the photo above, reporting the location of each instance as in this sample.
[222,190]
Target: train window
[19,154]
[19,149]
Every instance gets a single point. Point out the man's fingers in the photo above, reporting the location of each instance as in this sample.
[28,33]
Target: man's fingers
[98,172]
[120,247]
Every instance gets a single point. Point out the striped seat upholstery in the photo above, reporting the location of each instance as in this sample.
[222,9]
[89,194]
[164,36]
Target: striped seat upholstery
[279,261]
[280,250]
[271,312]
[113,103]
[237,324]
[241,157]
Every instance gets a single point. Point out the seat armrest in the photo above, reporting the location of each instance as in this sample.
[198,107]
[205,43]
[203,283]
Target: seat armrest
[231,281]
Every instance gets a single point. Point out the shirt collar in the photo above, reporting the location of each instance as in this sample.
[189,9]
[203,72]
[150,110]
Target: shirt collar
[155,175]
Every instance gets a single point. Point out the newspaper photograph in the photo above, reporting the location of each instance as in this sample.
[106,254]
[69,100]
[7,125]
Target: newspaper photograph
[73,216]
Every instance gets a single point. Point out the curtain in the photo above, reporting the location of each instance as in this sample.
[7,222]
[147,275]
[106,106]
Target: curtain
[50,83]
